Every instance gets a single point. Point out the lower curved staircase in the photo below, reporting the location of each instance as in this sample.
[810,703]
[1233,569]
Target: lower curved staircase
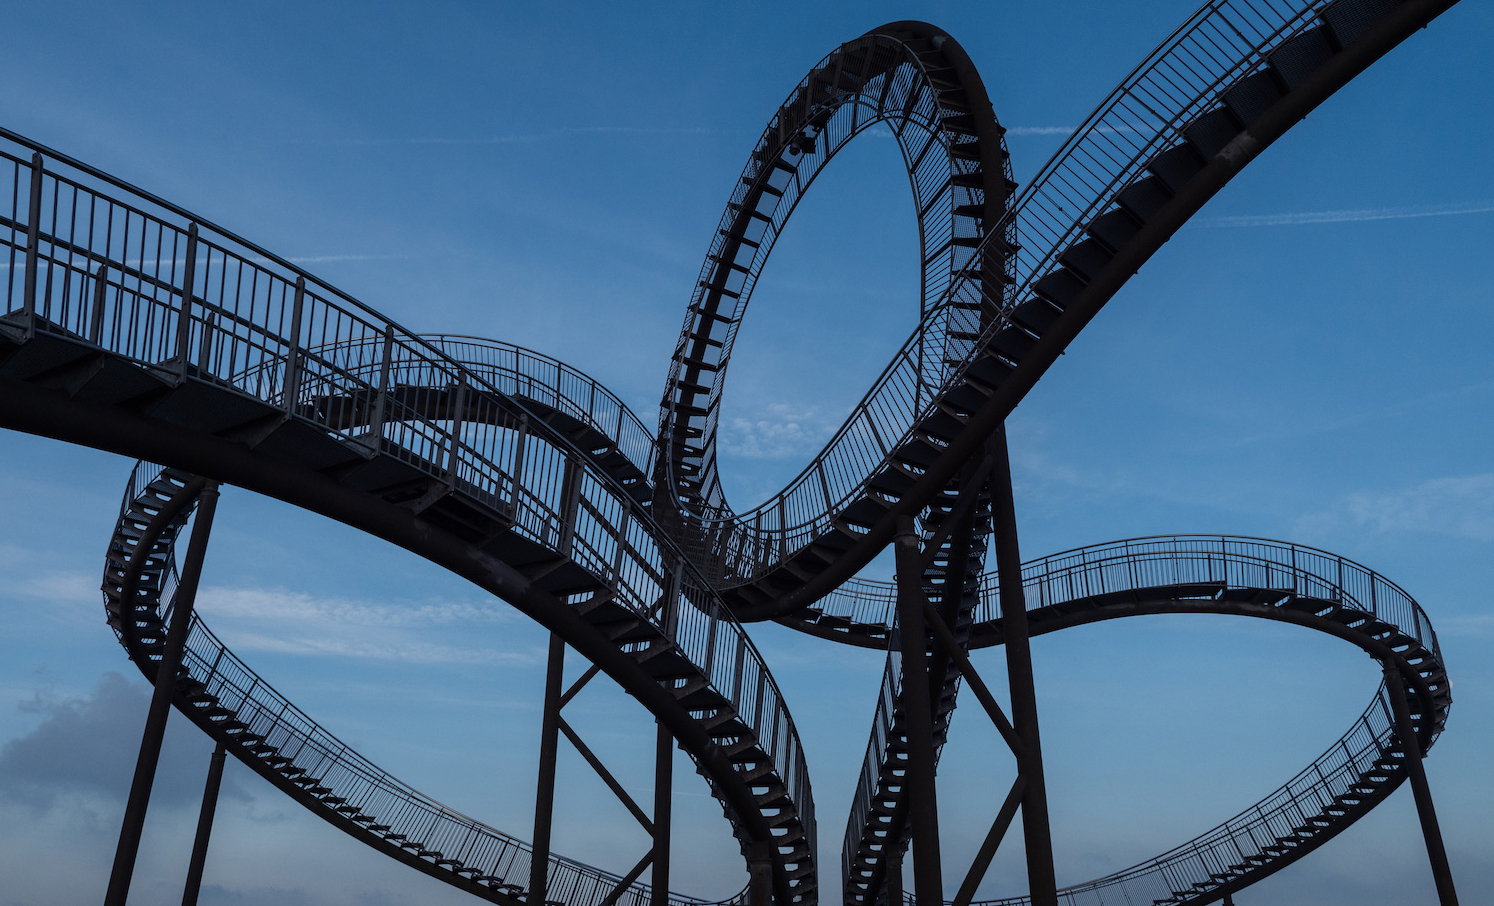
[279,742]
[1213,574]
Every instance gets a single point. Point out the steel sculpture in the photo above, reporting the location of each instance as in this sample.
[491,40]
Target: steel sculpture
[134,326]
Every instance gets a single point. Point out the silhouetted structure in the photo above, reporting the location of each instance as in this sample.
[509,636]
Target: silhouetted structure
[134,326]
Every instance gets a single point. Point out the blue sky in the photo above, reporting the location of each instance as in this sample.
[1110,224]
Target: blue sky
[1307,361]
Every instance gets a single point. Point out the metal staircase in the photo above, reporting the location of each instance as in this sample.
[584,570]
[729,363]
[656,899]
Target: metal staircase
[265,731]
[1224,86]
[134,326]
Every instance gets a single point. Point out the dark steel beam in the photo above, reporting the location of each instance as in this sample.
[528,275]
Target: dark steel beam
[663,801]
[606,775]
[633,874]
[988,847]
[544,794]
[894,879]
[1037,836]
[760,880]
[1405,730]
[919,785]
[204,826]
[160,702]
[946,639]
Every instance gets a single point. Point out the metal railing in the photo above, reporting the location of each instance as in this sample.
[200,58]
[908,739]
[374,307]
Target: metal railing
[104,264]
[528,376]
[1165,560]
[1221,43]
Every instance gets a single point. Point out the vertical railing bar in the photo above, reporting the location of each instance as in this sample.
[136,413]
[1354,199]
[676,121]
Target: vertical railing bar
[184,320]
[33,244]
[292,378]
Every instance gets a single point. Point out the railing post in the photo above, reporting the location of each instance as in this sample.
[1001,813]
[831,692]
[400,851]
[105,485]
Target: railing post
[33,244]
[1411,746]
[204,826]
[516,475]
[184,320]
[96,317]
[381,392]
[458,413]
[293,354]
[160,703]
[570,504]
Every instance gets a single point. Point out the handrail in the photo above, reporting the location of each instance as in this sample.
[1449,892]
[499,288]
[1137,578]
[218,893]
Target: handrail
[872,602]
[517,371]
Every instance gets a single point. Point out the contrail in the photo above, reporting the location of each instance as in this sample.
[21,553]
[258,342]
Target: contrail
[1345,216]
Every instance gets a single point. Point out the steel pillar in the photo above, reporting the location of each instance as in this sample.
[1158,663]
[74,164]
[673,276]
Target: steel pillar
[663,800]
[759,876]
[1395,683]
[544,795]
[1037,837]
[894,883]
[160,703]
[923,805]
[204,825]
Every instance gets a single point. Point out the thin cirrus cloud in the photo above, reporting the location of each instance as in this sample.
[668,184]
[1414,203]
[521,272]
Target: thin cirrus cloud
[285,622]
[783,431]
[520,138]
[1459,506]
[1345,215]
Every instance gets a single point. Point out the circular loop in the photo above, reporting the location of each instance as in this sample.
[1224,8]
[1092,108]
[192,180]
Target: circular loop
[917,81]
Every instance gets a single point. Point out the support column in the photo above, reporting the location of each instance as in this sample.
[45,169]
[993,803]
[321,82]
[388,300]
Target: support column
[1430,830]
[894,884]
[759,876]
[160,703]
[1037,837]
[204,825]
[923,805]
[663,801]
[544,795]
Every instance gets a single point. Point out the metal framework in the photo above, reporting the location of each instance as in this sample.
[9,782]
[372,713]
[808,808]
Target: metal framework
[132,325]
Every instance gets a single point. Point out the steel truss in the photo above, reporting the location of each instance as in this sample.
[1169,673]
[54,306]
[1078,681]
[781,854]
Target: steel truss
[135,326]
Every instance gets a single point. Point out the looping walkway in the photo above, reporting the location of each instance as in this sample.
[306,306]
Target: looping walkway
[132,325]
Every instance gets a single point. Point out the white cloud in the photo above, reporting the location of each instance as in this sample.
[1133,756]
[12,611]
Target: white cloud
[284,622]
[1460,506]
[782,432]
